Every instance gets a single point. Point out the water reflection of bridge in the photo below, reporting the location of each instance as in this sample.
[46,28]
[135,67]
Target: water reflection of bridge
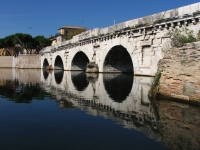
[120,97]
[177,125]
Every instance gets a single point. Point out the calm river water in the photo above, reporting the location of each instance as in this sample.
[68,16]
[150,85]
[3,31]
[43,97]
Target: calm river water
[62,110]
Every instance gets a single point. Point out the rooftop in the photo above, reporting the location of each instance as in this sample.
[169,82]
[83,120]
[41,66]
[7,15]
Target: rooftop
[71,27]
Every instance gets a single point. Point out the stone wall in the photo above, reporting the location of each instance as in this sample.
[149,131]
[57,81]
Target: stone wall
[181,73]
[21,62]
[6,61]
[27,61]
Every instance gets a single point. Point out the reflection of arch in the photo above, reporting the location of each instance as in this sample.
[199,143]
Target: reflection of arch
[79,80]
[118,60]
[58,63]
[45,63]
[45,73]
[58,74]
[80,61]
[118,86]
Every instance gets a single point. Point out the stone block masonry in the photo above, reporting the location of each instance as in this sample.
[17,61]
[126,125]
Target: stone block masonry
[6,61]
[21,62]
[181,73]
[27,62]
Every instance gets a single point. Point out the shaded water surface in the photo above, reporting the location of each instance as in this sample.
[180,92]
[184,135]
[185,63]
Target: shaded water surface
[73,110]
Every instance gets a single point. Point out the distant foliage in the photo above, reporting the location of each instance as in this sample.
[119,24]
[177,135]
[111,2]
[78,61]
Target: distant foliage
[181,36]
[26,41]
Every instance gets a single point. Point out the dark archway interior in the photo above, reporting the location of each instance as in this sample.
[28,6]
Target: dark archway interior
[58,63]
[45,63]
[80,61]
[79,80]
[58,74]
[118,86]
[118,60]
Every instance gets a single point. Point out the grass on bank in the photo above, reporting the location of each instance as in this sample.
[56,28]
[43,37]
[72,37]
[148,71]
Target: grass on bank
[155,83]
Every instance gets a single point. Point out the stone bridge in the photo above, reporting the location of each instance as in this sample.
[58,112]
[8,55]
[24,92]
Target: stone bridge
[132,46]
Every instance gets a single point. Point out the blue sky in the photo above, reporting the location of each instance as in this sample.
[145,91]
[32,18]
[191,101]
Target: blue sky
[44,17]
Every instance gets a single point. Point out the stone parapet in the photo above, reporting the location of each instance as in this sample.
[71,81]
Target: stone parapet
[181,73]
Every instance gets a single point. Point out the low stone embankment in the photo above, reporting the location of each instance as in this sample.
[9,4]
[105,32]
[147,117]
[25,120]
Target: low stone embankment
[22,62]
[180,77]
[27,62]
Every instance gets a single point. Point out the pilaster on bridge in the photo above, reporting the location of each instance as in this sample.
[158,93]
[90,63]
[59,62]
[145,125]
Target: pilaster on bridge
[134,46]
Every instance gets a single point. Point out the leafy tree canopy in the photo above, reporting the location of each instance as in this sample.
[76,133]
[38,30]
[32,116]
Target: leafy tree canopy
[25,40]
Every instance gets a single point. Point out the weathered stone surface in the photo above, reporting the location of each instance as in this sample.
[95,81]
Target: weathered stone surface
[189,89]
[180,77]
[92,67]
[27,61]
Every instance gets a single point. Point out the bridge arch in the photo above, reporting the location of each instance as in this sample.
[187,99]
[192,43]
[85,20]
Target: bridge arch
[79,61]
[118,59]
[45,63]
[58,64]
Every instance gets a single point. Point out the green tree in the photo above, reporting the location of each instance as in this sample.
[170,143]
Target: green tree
[41,41]
[2,43]
[26,41]
[9,41]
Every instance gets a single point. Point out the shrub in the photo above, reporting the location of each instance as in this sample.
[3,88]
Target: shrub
[181,36]
[155,83]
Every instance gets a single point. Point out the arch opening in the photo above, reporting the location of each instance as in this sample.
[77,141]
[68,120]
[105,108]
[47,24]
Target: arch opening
[118,60]
[79,62]
[58,65]
[45,63]
[45,72]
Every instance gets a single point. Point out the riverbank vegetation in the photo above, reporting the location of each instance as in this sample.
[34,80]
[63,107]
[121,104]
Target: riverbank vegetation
[181,36]
[154,85]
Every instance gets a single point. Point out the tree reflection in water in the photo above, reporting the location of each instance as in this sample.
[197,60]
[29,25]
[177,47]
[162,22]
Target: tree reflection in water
[23,93]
